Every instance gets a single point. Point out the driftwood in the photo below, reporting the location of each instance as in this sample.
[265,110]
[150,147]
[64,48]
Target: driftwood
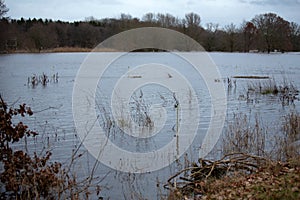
[190,178]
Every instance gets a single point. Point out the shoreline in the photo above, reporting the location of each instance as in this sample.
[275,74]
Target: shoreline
[58,50]
[85,50]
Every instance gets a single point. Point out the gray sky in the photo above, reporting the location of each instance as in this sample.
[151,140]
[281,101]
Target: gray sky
[222,12]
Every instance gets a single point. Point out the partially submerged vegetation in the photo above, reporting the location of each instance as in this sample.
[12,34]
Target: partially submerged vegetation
[256,163]
[251,77]
[286,91]
[271,87]
[43,79]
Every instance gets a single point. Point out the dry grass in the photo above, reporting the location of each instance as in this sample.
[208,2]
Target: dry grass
[274,181]
[237,176]
[291,141]
[67,49]
[243,137]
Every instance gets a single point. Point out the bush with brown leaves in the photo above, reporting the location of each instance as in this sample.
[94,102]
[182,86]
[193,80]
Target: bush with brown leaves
[24,176]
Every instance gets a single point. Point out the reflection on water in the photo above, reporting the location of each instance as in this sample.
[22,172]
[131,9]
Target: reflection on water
[53,110]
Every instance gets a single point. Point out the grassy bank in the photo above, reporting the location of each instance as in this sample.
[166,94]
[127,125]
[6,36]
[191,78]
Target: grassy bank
[66,49]
[240,176]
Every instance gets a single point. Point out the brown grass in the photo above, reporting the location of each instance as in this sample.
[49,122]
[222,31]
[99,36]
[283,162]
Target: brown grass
[243,137]
[66,49]
[274,181]
[238,176]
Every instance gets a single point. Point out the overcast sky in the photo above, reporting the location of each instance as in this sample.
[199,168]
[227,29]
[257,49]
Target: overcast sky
[216,11]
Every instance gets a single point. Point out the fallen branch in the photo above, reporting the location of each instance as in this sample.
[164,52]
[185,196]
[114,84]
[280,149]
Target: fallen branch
[206,169]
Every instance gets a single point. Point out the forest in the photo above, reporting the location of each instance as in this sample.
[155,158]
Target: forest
[264,33]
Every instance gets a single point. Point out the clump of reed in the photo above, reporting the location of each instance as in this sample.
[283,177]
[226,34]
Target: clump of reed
[286,91]
[43,79]
[290,142]
[139,113]
[243,137]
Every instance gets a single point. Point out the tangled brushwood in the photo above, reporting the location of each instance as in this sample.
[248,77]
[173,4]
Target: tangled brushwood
[29,177]
[237,176]
[192,180]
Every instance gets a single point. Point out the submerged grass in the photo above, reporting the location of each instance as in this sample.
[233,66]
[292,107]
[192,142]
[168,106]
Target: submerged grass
[286,92]
[241,136]
[271,87]
[291,140]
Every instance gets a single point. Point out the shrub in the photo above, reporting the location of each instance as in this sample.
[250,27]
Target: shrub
[30,177]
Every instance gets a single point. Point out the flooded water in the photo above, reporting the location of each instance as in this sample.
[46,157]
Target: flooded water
[53,115]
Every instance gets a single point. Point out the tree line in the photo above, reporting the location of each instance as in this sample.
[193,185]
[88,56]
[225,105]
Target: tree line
[265,32]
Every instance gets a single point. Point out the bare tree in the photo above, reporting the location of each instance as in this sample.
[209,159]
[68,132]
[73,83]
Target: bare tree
[125,17]
[210,36]
[249,33]
[231,31]
[191,26]
[265,32]
[166,20]
[274,31]
[295,36]
[192,20]
[90,19]
[212,27]
[149,17]
[3,8]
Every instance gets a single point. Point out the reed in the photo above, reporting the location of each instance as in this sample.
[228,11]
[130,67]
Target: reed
[243,137]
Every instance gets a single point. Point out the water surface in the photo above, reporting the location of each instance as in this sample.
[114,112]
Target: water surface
[53,119]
